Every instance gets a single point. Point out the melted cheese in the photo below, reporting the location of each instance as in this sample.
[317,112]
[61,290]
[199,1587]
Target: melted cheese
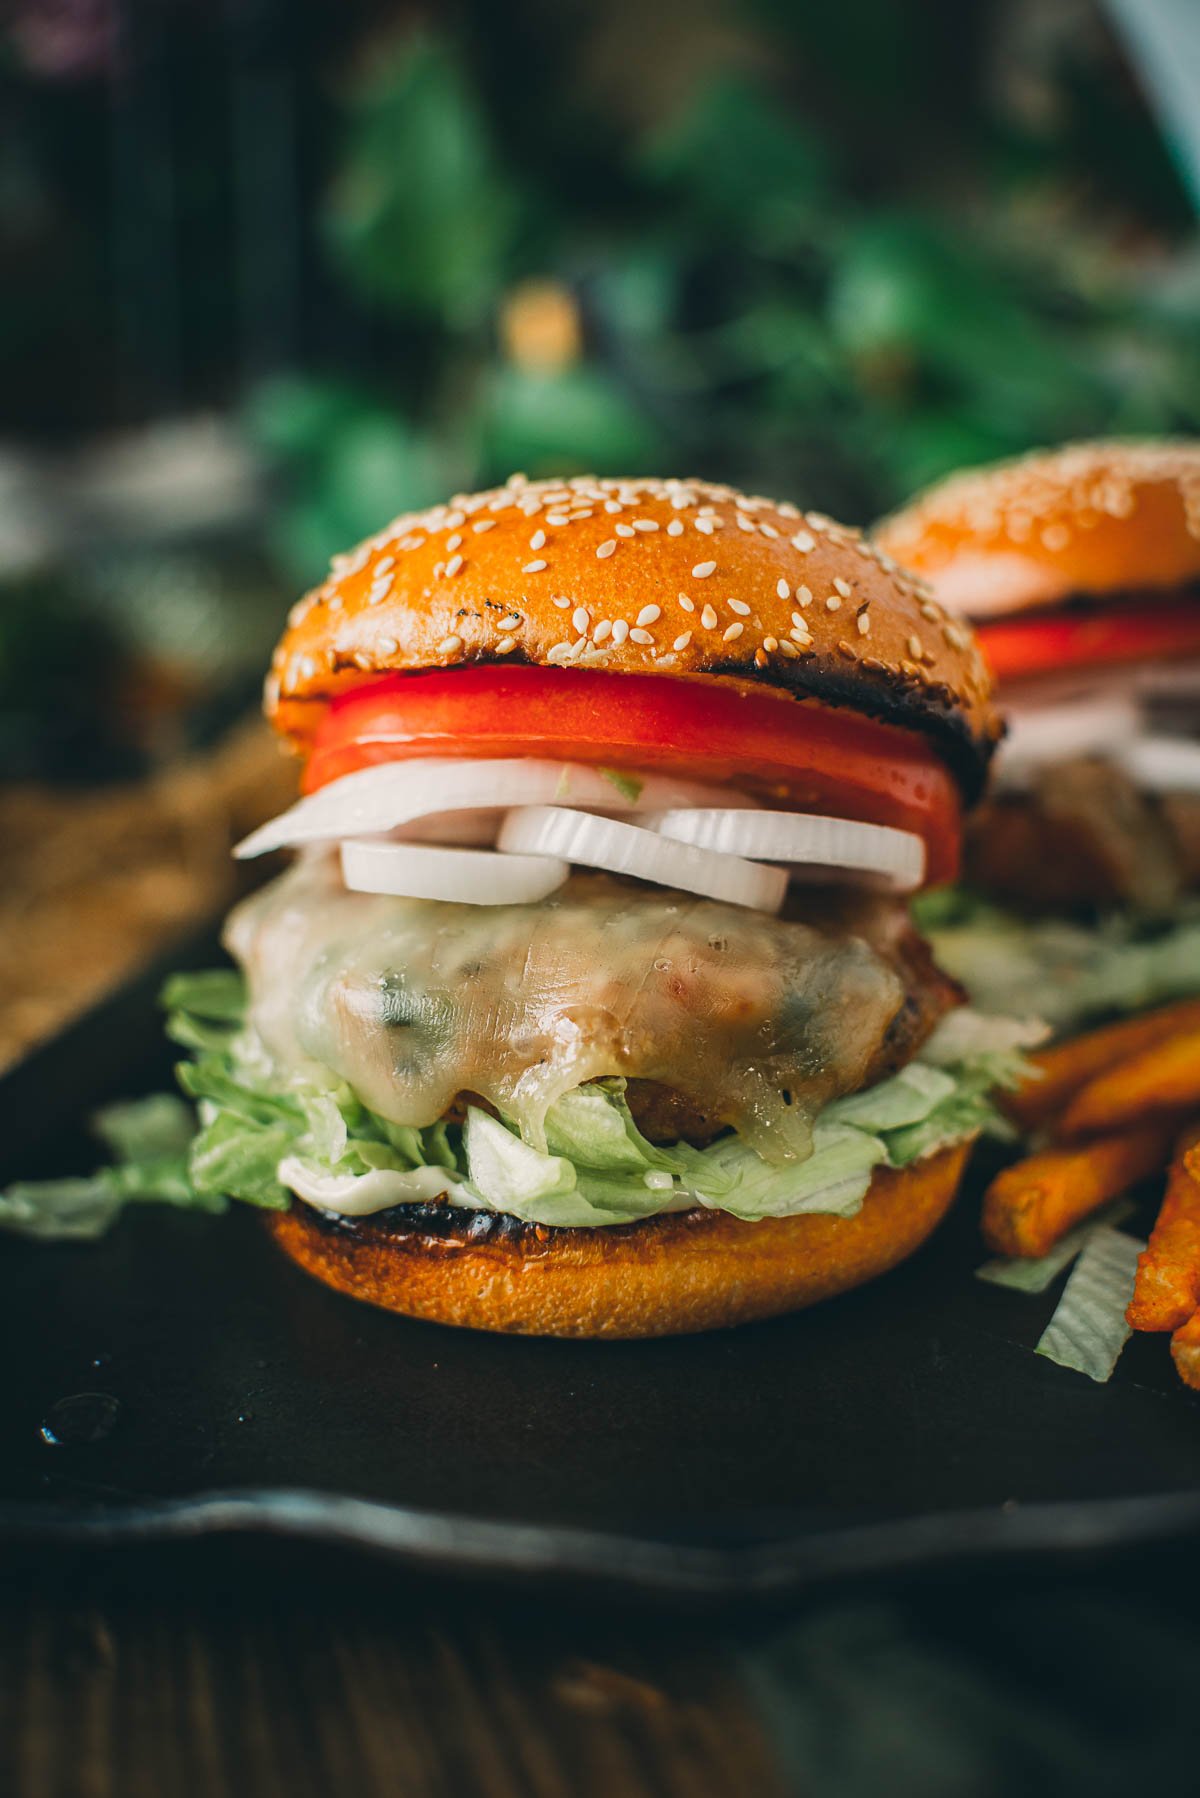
[755,1019]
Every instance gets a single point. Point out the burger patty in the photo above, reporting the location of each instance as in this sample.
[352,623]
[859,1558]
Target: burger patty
[665,1115]
[1086,836]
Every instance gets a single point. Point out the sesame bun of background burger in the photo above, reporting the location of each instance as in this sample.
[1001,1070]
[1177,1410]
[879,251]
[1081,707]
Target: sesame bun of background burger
[618,593]
[1080,568]
[1091,518]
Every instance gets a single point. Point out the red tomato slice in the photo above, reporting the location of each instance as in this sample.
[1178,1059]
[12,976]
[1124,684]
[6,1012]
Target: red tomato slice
[807,756]
[1056,641]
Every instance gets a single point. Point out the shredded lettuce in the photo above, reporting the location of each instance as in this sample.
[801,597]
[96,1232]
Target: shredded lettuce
[1036,1274]
[151,1141]
[596,1167]
[1066,972]
[1088,1329]
[628,785]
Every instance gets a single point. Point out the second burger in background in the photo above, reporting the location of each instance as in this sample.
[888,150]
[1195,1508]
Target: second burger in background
[1080,570]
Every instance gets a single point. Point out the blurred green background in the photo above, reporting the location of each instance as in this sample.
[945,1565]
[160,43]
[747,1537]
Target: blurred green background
[276,270]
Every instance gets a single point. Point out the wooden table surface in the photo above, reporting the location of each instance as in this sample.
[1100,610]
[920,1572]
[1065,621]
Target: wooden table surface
[254,1673]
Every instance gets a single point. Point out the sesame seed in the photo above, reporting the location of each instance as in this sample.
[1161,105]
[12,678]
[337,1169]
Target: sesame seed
[804,541]
[708,618]
[637,635]
[760,658]
[624,530]
[388,645]
[915,648]
[682,640]
[743,523]
[644,524]
[602,630]
[454,519]
[538,540]
[702,570]
[484,524]
[733,631]
[833,603]
[581,618]
[613,505]
[768,530]
[864,624]
[561,601]
[783,590]
[336,602]
[788,649]
[804,596]
[362,659]
[308,667]
[706,525]
[771,644]
[557,518]
[800,633]
[675,528]
[384,565]
[439,569]
[688,605]
[740,607]
[843,587]
[620,630]
[453,542]
[606,548]
[454,564]
[649,615]
[511,624]
[847,650]
[504,645]
[450,645]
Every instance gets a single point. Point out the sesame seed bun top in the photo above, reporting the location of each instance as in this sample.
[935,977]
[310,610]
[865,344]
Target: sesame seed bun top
[1090,518]
[675,577]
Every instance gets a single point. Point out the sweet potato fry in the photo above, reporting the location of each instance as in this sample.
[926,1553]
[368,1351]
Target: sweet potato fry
[1166,1292]
[1185,1351]
[1030,1205]
[1065,1067]
[1162,1078]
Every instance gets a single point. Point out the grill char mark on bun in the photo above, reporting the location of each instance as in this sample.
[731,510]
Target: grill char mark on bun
[1109,520]
[675,578]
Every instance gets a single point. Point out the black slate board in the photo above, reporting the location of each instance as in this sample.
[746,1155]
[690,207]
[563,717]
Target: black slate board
[901,1425]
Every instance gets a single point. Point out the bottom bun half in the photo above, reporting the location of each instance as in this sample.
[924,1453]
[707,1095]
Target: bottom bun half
[666,1276]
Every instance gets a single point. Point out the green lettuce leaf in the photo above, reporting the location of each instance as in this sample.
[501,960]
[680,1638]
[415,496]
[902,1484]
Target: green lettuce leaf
[1066,972]
[1088,1329]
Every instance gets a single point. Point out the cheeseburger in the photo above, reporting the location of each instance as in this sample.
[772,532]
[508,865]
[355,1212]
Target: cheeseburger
[590,1004]
[1080,570]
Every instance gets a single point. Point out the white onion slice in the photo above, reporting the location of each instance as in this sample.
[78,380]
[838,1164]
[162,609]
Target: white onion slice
[1162,764]
[465,876]
[1041,734]
[627,849]
[815,846]
[384,798]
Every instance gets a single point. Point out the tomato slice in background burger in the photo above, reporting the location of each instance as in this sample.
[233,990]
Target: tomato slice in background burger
[808,756]
[1057,641]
